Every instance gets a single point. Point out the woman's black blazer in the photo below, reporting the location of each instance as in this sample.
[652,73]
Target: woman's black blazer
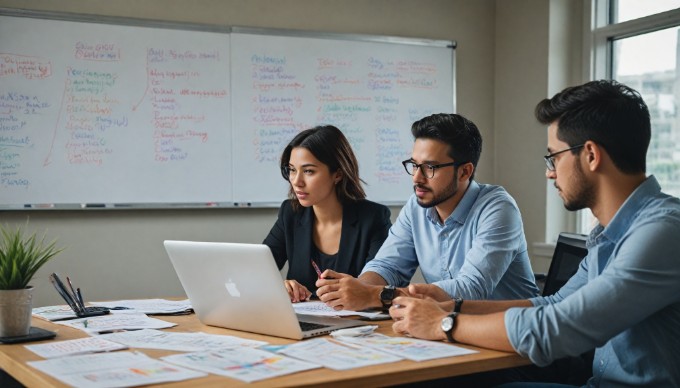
[365,225]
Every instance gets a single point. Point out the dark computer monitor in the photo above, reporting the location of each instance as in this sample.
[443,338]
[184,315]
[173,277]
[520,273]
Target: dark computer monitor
[569,252]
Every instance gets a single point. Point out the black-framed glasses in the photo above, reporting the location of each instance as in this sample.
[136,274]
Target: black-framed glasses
[550,159]
[427,169]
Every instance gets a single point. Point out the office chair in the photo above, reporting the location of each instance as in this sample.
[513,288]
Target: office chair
[570,250]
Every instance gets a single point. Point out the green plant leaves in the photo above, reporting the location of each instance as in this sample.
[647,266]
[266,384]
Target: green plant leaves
[21,256]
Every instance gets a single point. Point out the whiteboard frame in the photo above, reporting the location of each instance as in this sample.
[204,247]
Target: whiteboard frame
[187,26]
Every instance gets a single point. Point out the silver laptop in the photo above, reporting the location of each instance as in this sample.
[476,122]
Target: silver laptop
[237,286]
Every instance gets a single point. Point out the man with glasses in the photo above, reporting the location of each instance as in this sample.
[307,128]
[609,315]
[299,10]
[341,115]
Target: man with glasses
[467,238]
[624,300]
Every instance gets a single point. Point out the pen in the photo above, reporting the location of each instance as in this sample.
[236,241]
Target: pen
[61,289]
[76,299]
[316,268]
[80,297]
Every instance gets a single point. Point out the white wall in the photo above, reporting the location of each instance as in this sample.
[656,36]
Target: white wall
[538,53]
[119,254]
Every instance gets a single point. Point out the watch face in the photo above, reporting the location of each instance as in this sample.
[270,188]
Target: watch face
[387,294]
[447,324]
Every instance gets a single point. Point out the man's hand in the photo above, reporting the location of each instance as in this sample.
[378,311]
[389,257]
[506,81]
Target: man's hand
[420,318]
[296,291]
[424,291]
[344,292]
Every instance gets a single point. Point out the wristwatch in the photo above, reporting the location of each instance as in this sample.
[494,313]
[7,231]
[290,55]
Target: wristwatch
[459,304]
[447,325]
[386,295]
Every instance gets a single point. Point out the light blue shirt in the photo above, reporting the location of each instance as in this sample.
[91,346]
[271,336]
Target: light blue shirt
[479,252]
[624,299]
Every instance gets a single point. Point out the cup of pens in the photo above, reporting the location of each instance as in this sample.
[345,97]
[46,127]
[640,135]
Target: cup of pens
[74,298]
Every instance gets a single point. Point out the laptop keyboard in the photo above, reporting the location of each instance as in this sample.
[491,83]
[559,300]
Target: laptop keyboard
[306,326]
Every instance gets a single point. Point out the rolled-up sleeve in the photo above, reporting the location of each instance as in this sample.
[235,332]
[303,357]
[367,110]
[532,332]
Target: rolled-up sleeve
[396,260]
[640,280]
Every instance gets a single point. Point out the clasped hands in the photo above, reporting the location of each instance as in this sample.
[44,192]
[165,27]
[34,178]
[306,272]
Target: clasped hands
[416,311]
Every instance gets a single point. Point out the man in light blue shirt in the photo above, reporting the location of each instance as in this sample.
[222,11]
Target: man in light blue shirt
[624,301]
[467,238]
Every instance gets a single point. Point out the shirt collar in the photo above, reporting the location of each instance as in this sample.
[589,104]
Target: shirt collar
[621,221]
[460,213]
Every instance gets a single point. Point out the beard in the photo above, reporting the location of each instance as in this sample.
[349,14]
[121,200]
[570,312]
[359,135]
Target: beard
[449,191]
[583,194]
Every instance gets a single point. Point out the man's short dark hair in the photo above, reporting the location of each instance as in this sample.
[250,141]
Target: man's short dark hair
[461,134]
[609,113]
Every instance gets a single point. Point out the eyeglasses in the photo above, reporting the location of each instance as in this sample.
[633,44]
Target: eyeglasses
[550,159]
[412,167]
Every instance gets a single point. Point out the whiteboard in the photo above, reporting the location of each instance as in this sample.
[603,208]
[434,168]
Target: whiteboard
[118,113]
[98,113]
[372,90]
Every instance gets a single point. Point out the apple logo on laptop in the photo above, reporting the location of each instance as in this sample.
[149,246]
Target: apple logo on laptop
[231,288]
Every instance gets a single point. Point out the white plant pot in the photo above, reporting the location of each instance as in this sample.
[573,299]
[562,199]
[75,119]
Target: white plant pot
[15,312]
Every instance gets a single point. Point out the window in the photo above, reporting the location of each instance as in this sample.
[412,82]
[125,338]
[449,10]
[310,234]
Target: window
[636,42]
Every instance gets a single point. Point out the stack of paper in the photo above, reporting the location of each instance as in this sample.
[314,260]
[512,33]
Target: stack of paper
[183,342]
[143,306]
[54,313]
[116,322]
[151,306]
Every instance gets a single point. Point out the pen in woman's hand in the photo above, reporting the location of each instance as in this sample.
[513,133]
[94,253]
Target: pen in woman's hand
[316,268]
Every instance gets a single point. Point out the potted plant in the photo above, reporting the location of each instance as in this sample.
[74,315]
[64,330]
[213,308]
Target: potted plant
[21,255]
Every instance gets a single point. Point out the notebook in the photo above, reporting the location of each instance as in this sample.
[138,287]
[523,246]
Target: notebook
[238,286]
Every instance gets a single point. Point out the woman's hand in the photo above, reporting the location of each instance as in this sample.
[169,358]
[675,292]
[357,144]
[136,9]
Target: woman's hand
[296,291]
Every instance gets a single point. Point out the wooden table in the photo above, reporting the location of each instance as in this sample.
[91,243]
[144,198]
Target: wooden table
[13,360]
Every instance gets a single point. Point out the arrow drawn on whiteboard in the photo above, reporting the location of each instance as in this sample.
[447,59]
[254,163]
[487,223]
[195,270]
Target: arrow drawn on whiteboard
[134,107]
[48,158]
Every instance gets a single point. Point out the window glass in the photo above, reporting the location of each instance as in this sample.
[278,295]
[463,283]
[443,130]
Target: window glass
[647,63]
[623,10]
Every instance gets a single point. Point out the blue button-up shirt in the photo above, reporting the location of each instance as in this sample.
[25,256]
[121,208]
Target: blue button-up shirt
[624,299]
[478,252]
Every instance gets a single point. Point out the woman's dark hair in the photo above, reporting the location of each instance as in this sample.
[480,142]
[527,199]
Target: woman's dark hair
[328,144]
[609,113]
[461,134]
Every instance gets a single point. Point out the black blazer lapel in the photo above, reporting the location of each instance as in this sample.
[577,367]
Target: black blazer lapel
[349,238]
[303,238]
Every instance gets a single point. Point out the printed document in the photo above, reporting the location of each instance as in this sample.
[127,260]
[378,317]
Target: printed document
[116,322]
[245,364]
[72,347]
[337,355]
[410,348]
[119,369]
[183,342]
[320,308]
[151,306]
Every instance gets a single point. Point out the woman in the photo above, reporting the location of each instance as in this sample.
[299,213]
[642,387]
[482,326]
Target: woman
[326,220]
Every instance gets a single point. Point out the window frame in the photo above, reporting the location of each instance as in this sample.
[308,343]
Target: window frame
[598,49]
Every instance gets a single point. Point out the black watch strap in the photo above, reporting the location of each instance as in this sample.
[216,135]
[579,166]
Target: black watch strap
[458,305]
[449,330]
[386,295]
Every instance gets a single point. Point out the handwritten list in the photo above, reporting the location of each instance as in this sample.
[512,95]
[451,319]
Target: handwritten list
[95,113]
[372,92]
